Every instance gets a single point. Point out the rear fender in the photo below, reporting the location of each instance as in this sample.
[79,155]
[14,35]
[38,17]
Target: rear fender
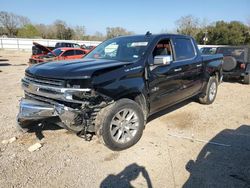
[213,68]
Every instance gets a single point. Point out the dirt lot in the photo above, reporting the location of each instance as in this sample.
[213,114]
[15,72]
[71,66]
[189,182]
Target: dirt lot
[173,152]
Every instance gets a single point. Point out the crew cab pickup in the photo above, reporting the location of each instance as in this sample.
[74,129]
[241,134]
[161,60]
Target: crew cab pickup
[117,86]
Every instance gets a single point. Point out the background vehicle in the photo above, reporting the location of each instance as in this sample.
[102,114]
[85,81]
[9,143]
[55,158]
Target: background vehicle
[208,50]
[59,54]
[236,62]
[114,88]
[38,49]
[67,44]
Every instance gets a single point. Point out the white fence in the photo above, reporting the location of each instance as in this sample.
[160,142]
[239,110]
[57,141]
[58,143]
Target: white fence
[26,44]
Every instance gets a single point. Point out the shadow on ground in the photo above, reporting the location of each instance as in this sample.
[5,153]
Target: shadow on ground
[39,128]
[8,64]
[233,80]
[3,60]
[222,166]
[4,64]
[124,178]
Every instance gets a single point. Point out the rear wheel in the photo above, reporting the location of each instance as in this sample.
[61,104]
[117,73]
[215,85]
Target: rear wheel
[211,91]
[247,79]
[120,124]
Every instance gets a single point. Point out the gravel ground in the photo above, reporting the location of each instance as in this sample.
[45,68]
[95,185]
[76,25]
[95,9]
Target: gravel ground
[188,145]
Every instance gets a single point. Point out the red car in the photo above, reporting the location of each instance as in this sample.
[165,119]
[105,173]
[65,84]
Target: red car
[56,54]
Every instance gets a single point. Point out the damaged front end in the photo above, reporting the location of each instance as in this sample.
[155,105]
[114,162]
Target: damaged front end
[50,100]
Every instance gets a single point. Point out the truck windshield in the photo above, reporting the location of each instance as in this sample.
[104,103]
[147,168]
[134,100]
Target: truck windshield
[127,49]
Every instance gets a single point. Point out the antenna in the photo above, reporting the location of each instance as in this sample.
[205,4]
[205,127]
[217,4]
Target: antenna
[148,33]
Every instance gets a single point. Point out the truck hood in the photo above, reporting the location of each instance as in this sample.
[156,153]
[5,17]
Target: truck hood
[74,69]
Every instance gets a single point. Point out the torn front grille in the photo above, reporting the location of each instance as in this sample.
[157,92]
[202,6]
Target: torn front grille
[44,81]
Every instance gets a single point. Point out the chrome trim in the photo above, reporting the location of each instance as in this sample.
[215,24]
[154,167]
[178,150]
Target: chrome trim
[49,82]
[177,70]
[52,92]
[34,110]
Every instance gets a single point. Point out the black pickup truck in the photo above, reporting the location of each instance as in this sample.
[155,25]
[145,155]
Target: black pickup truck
[116,87]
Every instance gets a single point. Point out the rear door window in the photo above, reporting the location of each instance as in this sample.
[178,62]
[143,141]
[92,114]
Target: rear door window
[79,52]
[184,49]
[69,53]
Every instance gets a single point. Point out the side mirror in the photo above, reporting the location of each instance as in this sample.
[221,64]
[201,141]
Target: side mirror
[163,60]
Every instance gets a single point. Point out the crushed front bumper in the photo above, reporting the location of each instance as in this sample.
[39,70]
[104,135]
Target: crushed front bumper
[31,111]
[34,111]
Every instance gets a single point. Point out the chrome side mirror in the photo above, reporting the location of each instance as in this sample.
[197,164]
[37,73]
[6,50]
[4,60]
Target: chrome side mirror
[163,60]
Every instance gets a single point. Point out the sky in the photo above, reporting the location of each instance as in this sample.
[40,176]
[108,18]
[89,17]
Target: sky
[138,16]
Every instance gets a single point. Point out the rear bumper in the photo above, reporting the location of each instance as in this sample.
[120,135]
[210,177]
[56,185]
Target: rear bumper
[234,74]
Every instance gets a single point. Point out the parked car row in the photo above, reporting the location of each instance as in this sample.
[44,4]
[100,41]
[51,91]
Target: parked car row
[62,51]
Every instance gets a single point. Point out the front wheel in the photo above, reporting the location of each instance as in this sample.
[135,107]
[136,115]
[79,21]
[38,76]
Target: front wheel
[121,124]
[211,91]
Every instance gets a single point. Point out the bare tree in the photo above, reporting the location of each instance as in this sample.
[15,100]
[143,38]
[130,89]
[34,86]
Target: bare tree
[188,25]
[79,32]
[9,22]
[62,30]
[23,21]
[117,31]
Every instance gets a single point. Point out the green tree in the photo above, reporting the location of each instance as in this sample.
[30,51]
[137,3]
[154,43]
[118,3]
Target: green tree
[28,31]
[223,33]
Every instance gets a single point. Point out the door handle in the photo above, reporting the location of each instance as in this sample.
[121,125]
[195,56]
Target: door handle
[177,70]
[199,65]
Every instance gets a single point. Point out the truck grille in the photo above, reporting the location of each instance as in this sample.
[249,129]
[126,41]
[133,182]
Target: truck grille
[44,81]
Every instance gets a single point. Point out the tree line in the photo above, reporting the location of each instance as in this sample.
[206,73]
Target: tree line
[217,33]
[12,25]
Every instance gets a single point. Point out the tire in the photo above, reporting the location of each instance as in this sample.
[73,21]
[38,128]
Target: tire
[211,91]
[120,125]
[247,79]
[229,63]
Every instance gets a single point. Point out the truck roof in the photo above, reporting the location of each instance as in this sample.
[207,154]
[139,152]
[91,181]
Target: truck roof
[156,35]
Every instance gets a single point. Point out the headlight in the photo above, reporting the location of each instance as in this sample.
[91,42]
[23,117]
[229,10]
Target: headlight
[76,94]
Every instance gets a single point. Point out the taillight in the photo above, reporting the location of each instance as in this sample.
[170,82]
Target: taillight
[242,66]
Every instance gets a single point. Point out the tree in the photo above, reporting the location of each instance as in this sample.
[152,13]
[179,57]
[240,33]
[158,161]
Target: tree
[223,33]
[23,21]
[117,31]
[28,31]
[188,25]
[248,22]
[62,31]
[9,22]
[79,32]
